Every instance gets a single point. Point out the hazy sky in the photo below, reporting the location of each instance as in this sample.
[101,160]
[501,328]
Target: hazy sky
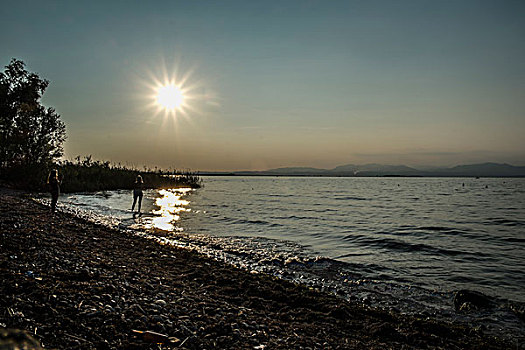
[280,83]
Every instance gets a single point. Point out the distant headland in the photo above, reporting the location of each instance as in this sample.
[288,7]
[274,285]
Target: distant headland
[351,170]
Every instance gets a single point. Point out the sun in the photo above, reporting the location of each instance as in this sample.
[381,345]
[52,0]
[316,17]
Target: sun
[174,94]
[170,97]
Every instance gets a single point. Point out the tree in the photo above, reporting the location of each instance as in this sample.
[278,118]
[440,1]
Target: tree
[31,135]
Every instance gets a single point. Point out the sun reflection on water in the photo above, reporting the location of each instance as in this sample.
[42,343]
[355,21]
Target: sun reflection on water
[170,205]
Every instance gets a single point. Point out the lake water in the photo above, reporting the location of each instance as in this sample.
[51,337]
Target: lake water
[399,243]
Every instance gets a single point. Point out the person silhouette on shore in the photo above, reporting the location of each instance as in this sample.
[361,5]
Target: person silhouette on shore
[137,193]
[53,182]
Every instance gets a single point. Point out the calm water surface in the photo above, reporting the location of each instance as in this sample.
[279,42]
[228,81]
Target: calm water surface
[442,233]
[436,235]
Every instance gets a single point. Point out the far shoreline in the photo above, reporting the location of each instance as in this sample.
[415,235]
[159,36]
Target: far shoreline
[358,176]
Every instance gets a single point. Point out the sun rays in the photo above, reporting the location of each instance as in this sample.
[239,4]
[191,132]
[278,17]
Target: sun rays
[173,94]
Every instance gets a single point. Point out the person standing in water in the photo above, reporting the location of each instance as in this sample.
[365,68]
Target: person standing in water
[137,193]
[53,182]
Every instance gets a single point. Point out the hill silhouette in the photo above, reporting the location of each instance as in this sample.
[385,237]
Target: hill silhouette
[469,170]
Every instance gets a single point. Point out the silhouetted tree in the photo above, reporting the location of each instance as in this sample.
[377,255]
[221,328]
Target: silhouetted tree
[31,135]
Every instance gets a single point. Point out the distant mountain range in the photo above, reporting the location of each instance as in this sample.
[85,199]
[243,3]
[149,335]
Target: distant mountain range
[472,170]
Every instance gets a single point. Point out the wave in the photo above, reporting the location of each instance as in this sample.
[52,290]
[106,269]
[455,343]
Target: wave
[324,210]
[403,246]
[513,239]
[282,195]
[504,222]
[350,198]
[235,221]
[435,228]
[298,217]
[444,231]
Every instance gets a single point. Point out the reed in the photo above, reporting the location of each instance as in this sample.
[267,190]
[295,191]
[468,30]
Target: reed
[87,175]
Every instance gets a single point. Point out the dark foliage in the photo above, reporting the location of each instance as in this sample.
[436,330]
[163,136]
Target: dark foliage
[31,135]
[88,175]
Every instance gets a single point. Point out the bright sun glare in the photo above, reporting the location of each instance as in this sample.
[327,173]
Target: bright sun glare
[174,94]
[170,97]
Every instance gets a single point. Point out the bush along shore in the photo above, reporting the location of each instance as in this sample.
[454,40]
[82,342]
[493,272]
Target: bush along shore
[71,284]
[87,175]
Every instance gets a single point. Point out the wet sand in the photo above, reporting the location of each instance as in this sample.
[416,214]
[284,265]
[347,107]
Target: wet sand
[75,285]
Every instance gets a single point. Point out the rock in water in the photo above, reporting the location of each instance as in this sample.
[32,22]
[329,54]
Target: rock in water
[467,300]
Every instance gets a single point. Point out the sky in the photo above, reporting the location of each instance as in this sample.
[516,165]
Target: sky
[272,84]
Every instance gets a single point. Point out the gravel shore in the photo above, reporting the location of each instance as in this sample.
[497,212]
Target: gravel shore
[74,285]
